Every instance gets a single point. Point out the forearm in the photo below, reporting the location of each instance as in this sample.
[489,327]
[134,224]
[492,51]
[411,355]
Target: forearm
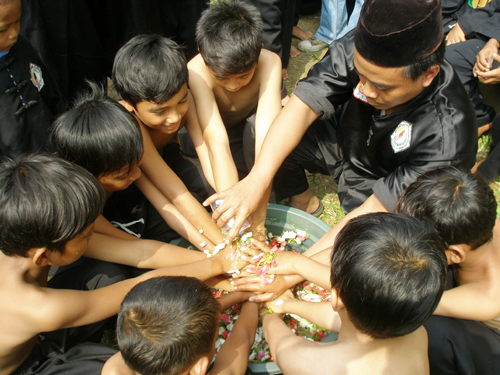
[103,226]
[319,313]
[275,331]
[290,125]
[173,217]
[224,170]
[233,355]
[231,299]
[372,204]
[147,254]
[311,270]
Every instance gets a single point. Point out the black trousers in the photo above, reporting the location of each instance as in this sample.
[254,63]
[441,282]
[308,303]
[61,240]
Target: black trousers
[463,57]
[462,347]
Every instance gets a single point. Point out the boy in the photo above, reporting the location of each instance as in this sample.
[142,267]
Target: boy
[47,210]
[98,134]
[387,275]
[29,96]
[465,337]
[168,325]
[150,75]
[236,86]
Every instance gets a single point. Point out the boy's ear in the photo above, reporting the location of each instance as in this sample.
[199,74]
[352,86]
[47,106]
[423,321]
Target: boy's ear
[200,367]
[456,254]
[128,106]
[40,256]
[337,303]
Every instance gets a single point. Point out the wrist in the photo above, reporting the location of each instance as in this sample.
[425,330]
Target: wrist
[494,43]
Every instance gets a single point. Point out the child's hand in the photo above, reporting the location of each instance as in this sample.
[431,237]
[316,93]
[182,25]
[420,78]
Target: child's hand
[285,260]
[456,35]
[235,257]
[279,304]
[485,57]
[491,76]
[266,292]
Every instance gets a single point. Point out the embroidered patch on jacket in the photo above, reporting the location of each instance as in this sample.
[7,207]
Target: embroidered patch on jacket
[36,76]
[358,93]
[401,138]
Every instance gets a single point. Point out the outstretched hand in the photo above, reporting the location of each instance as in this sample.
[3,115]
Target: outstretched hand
[485,58]
[490,76]
[240,201]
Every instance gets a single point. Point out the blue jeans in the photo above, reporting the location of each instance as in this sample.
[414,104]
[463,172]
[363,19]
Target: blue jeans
[334,24]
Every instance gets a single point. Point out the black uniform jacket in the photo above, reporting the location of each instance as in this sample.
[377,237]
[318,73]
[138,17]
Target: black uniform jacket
[384,154]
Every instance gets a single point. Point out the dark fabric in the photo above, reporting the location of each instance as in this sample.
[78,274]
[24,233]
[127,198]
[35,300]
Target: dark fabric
[444,129]
[477,21]
[452,10]
[79,38]
[490,168]
[462,347]
[26,111]
[82,359]
[394,33]
[462,56]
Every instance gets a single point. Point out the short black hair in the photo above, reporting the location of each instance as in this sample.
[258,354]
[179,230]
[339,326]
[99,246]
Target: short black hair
[149,68]
[390,272]
[98,133]
[229,37]
[45,201]
[415,70]
[461,205]
[166,324]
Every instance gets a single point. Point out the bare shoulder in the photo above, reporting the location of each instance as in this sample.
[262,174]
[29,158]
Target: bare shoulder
[268,63]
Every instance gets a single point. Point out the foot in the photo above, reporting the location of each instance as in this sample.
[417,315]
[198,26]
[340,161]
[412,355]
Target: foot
[312,45]
[307,201]
[294,52]
[284,73]
[483,129]
[301,34]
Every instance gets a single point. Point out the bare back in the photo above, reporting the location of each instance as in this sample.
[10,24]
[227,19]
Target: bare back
[20,293]
[405,355]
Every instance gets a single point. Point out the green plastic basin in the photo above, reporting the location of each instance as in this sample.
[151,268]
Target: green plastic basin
[281,218]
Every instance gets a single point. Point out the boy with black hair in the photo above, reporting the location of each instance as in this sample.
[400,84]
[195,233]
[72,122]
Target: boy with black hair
[150,75]
[29,95]
[168,325]
[47,210]
[100,135]
[236,86]
[465,337]
[387,275]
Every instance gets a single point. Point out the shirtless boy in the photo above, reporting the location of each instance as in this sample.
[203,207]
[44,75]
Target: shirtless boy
[47,210]
[387,275]
[236,86]
[465,337]
[151,76]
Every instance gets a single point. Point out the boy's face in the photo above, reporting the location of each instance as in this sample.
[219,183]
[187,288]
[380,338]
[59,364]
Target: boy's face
[10,17]
[73,250]
[234,82]
[165,117]
[121,179]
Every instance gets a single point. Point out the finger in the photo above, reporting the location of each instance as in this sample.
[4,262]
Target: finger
[211,199]
[266,297]
[260,245]
[247,281]
[238,223]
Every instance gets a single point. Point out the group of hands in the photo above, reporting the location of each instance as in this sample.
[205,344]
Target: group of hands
[242,257]
[484,59]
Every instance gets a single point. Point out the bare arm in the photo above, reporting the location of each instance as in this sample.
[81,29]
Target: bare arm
[212,127]
[174,218]
[290,352]
[325,243]
[472,301]
[232,358]
[242,199]
[59,308]
[141,253]
[174,190]
[319,313]
[103,226]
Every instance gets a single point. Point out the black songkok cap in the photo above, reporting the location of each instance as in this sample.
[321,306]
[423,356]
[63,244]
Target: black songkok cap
[397,33]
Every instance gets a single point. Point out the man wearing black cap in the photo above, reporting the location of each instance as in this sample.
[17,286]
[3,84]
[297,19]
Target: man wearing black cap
[381,108]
